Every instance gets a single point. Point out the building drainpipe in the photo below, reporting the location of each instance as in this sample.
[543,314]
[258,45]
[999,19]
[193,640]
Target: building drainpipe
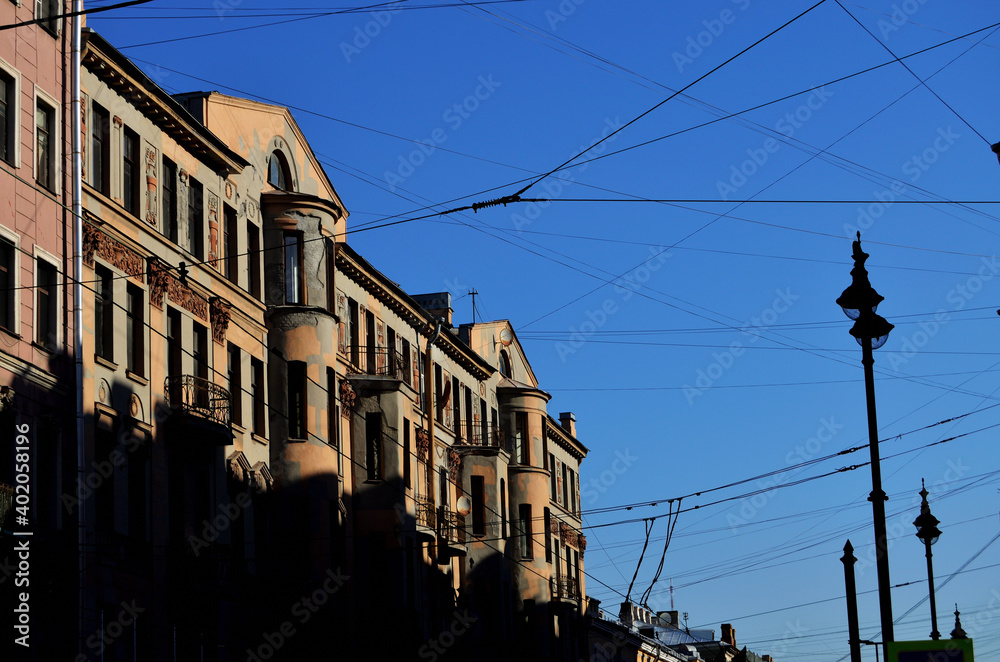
[77,104]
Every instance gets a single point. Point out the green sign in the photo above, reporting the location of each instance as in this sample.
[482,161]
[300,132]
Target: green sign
[948,650]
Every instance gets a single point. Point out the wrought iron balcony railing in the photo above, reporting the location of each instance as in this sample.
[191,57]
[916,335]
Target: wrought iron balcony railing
[452,526]
[381,362]
[199,397]
[475,434]
[563,588]
[426,516]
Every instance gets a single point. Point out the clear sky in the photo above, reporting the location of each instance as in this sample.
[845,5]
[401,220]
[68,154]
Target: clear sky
[698,343]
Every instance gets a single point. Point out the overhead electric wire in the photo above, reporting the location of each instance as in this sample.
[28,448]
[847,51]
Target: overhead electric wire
[661,103]
[913,73]
[56,17]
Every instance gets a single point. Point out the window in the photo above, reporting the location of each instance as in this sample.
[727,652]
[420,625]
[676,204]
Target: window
[257,394]
[524,512]
[570,484]
[277,171]
[332,409]
[104,494]
[230,250]
[478,505]
[235,373]
[373,445]
[130,171]
[547,532]
[8,117]
[173,342]
[565,487]
[407,451]
[170,199]
[46,9]
[195,229]
[353,330]
[504,363]
[46,305]
[8,284]
[136,330]
[201,351]
[45,144]
[293,268]
[331,292]
[100,142]
[253,259]
[552,477]
[440,405]
[521,437]
[503,509]
[297,399]
[104,313]
[405,366]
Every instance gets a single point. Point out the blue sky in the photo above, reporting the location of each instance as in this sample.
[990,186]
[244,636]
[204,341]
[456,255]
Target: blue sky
[699,343]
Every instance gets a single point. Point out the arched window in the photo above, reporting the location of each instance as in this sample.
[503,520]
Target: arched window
[277,171]
[504,363]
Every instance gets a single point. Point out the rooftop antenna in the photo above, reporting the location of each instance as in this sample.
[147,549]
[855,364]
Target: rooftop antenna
[473,292]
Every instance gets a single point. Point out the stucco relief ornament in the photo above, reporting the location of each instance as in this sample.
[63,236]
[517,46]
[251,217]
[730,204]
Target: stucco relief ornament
[347,395]
[566,533]
[158,279]
[454,464]
[423,443]
[219,308]
[581,542]
[554,526]
[91,237]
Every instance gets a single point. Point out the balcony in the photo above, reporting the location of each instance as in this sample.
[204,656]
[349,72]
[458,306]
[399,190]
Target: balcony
[564,590]
[452,533]
[473,433]
[379,362]
[200,405]
[426,517]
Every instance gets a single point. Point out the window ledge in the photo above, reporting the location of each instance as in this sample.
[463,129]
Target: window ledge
[107,363]
[259,439]
[137,378]
[44,349]
[8,332]
[237,428]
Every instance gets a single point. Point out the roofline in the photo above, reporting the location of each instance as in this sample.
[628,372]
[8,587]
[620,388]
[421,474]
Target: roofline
[181,122]
[510,326]
[281,110]
[411,311]
[570,439]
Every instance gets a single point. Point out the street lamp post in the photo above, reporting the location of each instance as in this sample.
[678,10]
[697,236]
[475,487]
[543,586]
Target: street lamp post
[859,301]
[928,532]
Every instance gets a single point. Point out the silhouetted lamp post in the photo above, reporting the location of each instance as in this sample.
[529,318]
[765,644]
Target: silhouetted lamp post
[928,532]
[859,301]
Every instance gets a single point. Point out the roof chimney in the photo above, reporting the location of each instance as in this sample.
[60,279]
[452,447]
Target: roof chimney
[437,304]
[729,634]
[766,658]
[568,422]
